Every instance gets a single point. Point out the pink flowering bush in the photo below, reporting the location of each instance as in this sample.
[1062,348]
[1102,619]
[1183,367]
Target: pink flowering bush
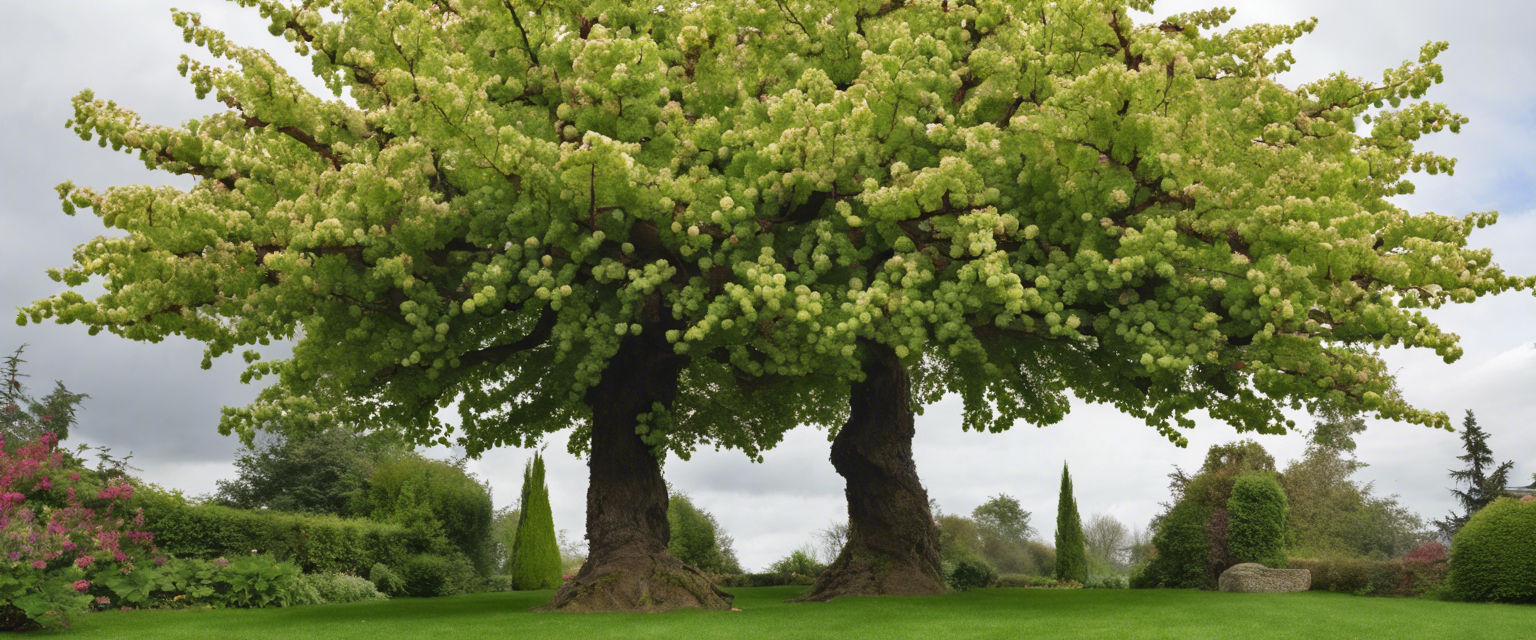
[60,532]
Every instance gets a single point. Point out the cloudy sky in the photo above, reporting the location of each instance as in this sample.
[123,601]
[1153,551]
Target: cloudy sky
[155,401]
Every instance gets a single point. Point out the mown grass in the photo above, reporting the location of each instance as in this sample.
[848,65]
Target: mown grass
[989,613]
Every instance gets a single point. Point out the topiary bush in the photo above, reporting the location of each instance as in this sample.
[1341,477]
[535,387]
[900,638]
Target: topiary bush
[1183,551]
[1256,521]
[1493,557]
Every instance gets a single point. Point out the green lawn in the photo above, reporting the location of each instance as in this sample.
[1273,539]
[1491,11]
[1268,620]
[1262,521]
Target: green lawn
[989,613]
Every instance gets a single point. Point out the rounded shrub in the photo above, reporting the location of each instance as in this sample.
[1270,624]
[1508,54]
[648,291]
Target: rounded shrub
[1183,551]
[1493,557]
[386,580]
[1256,521]
[341,588]
[970,572]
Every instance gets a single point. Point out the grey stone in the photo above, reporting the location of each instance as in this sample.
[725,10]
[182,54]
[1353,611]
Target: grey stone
[1251,577]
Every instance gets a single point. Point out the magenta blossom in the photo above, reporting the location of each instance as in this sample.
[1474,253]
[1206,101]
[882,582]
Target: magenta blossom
[84,561]
[39,564]
[82,585]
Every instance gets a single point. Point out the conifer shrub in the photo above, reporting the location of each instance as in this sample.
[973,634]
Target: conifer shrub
[1071,554]
[535,549]
[1493,557]
[1256,521]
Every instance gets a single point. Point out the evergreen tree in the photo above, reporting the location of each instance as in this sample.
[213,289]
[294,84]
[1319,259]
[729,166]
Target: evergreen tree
[22,417]
[1484,481]
[535,551]
[1071,555]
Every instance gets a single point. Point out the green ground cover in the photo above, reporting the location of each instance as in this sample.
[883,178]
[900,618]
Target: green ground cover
[988,613]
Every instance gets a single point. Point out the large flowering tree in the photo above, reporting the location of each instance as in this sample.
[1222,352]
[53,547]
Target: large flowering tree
[680,223]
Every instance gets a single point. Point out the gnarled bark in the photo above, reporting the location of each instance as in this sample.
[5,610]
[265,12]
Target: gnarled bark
[628,566]
[893,545]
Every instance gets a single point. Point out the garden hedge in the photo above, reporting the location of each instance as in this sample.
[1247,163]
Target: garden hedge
[314,543]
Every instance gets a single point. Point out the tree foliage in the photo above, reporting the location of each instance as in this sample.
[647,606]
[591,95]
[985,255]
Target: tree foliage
[536,561]
[1071,550]
[1140,214]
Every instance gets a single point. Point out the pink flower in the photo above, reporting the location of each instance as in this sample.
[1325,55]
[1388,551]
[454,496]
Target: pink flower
[74,477]
[119,556]
[84,561]
[13,556]
[82,585]
[39,564]
[43,485]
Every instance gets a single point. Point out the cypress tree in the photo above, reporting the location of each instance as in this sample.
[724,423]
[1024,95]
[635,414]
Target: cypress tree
[535,551]
[1071,555]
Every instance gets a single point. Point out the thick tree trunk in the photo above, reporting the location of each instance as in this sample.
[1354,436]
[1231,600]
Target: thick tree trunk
[628,566]
[893,545]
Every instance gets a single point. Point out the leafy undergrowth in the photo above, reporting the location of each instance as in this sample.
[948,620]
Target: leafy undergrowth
[983,613]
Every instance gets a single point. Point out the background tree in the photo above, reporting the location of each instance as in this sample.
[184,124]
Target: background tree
[1329,513]
[1106,540]
[504,535]
[1005,534]
[536,562]
[697,537]
[24,418]
[322,472]
[1071,561]
[833,539]
[1485,481]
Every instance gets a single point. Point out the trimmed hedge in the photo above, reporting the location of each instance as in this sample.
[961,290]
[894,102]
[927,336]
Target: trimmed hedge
[1493,557]
[735,580]
[317,544]
[1256,520]
[1421,572]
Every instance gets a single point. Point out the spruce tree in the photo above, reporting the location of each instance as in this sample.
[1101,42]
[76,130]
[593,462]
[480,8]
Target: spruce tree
[1485,482]
[1071,556]
[535,551]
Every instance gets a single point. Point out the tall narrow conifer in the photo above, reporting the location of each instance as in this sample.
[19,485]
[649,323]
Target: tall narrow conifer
[1071,557]
[535,551]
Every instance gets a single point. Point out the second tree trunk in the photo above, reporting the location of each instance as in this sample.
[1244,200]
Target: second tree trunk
[893,545]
